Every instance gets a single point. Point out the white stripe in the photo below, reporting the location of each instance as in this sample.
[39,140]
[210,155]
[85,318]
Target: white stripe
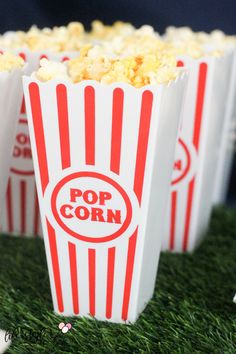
[101,283]
[119,280]
[29,205]
[64,268]
[83,280]
[131,117]
[103,126]
[76,127]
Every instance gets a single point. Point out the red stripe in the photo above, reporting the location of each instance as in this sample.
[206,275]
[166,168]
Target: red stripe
[22,110]
[36,213]
[62,109]
[92,286]
[144,126]
[23,56]
[199,104]
[23,121]
[129,274]
[173,219]
[23,205]
[43,56]
[110,280]
[145,118]
[180,63]
[188,214]
[89,99]
[196,140]
[73,277]
[55,265]
[116,134]
[39,133]
[9,207]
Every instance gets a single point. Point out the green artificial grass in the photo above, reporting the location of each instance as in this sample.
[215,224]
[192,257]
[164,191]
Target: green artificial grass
[191,311]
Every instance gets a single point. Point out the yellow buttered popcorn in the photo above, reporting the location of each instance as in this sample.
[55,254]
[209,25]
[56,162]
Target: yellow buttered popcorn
[138,71]
[49,69]
[57,39]
[184,41]
[10,61]
[100,31]
[217,39]
[139,42]
[63,38]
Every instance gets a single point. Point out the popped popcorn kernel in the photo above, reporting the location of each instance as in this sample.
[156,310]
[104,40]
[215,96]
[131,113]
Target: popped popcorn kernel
[141,41]
[76,28]
[9,61]
[100,31]
[198,44]
[57,39]
[217,40]
[138,71]
[49,69]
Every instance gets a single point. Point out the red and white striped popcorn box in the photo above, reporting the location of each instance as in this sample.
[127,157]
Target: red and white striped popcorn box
[191,195]
[103,157]
[226,144]
[21,212]
[10,100]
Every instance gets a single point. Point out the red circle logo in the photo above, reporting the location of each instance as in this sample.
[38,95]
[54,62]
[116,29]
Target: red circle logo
[91,207]
[22,156]
[182,162]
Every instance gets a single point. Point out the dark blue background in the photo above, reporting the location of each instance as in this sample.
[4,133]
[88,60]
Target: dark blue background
[199,14]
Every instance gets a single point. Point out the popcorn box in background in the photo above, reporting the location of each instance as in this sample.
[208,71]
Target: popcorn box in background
[21,213]
[226,145]
[191,196]
[103,157]
[10,100]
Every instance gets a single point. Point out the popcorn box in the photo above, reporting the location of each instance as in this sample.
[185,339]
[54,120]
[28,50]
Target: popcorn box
[226,144]
[10,100]
[191,195]
[103,157]
[21,211]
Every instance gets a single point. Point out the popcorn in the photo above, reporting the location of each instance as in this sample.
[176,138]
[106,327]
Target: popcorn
[114,40]
[102,32]
[183,42]
[217,39]
[10,61]
[50,69]
[138,71]
[182,34]
[198,44]
[65,38]
[141,41]
[159,58]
